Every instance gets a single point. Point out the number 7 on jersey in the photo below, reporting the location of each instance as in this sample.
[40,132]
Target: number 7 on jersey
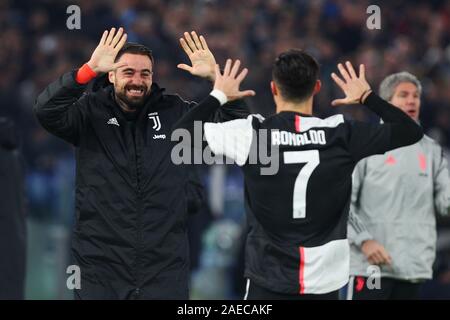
[312,160]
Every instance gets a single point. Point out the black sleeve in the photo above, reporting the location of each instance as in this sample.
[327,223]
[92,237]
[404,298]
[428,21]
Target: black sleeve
[198,114]
[237,109]
[398,130]
[59,108]
[204,112]
[232,139]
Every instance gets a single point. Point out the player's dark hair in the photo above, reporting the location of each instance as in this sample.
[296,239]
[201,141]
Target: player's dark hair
[135,48]
[295,73]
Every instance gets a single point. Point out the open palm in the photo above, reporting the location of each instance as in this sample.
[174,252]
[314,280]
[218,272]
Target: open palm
[202,59]
[353,86]
[102,59]
[230,80]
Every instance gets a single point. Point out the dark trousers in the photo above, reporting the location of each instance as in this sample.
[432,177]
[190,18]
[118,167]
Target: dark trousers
[390,289]
[256,292]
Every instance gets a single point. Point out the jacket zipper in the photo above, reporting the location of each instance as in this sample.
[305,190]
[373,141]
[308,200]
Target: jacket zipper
[139,218]
[139,242]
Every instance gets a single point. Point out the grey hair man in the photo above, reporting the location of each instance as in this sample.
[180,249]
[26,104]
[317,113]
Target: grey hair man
[395,199]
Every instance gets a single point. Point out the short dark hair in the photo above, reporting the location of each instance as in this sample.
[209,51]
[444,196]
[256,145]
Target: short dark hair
[295,73]
[135,48]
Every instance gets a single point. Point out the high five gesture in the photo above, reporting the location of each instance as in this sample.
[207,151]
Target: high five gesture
[102,59]
[202,59]
[355,88]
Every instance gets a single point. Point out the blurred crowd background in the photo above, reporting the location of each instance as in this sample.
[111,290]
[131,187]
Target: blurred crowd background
[36,47]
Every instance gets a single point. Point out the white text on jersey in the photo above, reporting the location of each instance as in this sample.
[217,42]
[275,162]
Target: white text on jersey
[298,139]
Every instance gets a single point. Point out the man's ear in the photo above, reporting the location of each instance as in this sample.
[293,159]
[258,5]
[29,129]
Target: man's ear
[111,76]
[273,88]
[317,87]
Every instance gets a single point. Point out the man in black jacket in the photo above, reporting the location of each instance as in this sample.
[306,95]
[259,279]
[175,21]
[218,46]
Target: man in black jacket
[12,215]
[130,239]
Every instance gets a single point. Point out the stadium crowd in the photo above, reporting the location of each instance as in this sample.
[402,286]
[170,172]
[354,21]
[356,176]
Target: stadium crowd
[36,47]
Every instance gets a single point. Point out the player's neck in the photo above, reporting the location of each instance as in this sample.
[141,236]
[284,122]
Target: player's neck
[304,107]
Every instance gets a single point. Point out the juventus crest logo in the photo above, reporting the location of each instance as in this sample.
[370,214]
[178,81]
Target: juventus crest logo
[156,122]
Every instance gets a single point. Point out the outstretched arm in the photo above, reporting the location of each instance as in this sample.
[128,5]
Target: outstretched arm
[104,56]
[59,108]
[203,65]
[202,59]
[231,138]
[398,130]
[226,88]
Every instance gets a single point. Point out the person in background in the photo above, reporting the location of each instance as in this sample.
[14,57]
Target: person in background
[395,199]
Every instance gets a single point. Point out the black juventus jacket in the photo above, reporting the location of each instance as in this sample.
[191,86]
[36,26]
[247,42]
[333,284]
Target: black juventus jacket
[12,215]
[130,238]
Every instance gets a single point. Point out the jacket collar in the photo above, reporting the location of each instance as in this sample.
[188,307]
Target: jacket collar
[106,96]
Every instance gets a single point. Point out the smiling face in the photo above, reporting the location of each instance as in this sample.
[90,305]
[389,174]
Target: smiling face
[406,97]
[133,82]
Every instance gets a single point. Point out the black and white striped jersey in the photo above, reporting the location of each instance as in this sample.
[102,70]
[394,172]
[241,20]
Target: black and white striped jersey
[298,175]
[297,202]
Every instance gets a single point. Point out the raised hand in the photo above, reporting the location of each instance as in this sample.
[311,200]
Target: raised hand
[202,59]
[355,88]
[230,81]
[102,59]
